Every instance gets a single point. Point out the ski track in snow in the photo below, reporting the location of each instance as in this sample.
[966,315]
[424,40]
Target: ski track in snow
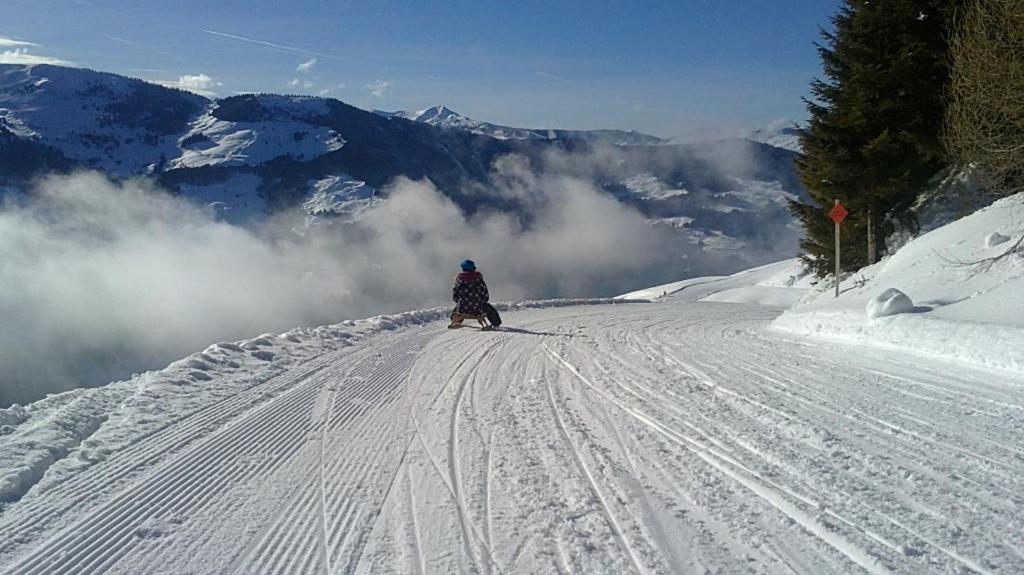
[665,438]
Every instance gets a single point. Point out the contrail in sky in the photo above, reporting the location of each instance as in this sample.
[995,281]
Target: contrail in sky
[272,45]
[560,79]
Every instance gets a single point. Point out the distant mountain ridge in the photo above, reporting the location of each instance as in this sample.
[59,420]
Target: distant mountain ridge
[251,155]
[781,134]
[444,117]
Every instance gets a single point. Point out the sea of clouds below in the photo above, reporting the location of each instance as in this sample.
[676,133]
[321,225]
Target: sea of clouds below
[101,279]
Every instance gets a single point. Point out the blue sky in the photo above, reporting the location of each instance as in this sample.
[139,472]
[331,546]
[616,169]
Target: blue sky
[684,68]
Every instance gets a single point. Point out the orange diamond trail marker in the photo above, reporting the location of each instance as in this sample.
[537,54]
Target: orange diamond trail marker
[837,214]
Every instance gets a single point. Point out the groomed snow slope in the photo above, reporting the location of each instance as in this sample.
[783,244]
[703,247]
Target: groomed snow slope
[677,437]
[967,302]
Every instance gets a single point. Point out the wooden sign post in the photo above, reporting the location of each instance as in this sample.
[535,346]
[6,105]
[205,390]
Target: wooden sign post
[837,214]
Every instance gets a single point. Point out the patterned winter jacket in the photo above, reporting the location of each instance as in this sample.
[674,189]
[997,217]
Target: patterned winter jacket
[470,293]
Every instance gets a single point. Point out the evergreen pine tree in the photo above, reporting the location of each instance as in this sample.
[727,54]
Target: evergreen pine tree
[873,139]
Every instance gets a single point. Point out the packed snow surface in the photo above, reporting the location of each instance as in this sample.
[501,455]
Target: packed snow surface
[675,437]
[963,288]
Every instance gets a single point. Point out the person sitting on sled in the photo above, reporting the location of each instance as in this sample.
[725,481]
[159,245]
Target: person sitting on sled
[469,294]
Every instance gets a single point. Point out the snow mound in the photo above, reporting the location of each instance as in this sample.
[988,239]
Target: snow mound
[890,302]
[967,291]
[994,239]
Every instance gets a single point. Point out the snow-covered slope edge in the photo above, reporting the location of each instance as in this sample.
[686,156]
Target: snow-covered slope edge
[965,302]
[47,440]
[778,284]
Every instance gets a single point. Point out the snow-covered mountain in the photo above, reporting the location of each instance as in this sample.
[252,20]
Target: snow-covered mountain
[780,133]
[444,117]
[103,121]
[251,155]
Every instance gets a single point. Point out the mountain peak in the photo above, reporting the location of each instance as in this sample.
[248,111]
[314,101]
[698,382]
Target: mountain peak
[438,113]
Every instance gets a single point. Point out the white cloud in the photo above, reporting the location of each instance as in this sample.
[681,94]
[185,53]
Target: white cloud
[307,66]
[198,83]
[379,87]
[23,57]
[324,92]
[20,54]
[11,43]
[76,253]
[297,83]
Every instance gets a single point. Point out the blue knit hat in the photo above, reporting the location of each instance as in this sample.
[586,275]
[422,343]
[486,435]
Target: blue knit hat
[468,266]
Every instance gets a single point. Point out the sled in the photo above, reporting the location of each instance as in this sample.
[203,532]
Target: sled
[458,318]
[492,315]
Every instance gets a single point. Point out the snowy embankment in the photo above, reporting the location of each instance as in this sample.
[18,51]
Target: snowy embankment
[779,284]
[955,293]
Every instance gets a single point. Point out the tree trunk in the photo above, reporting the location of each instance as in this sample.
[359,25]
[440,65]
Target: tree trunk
[872,240]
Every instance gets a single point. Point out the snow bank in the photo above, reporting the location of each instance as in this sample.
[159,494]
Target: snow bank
[757,294]
[668,289]
[779,284]
[966,286]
